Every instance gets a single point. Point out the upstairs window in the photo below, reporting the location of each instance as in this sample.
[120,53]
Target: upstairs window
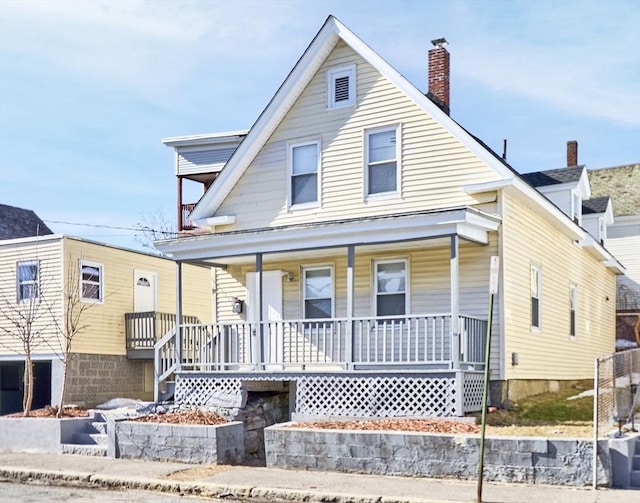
[390,287]
[602,230]
[381,174]
[573,308]
[304,167]
[576,207]
[28,280]
[341,90]
[318,292]
[91,281]
[536,296]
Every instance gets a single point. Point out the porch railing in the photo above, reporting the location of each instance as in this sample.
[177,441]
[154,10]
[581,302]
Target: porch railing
[414,341]
[143,330]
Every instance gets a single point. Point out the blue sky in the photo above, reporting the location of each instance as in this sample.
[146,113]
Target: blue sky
[88,89]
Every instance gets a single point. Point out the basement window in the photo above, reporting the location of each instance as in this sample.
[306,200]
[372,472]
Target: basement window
[341,87]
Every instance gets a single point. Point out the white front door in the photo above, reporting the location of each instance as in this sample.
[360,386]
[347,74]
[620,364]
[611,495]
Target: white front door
[270,349]
[144,301]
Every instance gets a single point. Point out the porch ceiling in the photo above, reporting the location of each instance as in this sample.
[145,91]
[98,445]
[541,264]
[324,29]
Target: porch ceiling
[372,232]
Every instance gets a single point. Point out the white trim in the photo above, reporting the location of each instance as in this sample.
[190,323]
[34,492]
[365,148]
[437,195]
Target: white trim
[374,283]
[335,73]
[303,296]
[311,204]
[398,150]
[204,139]
[212,222]
[81,263]
[468,224]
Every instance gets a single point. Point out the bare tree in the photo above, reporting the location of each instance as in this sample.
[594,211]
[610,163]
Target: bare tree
[69,324]
[25,321]
[153,227]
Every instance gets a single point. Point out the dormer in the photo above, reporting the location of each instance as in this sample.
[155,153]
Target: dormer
[199,160]
[566,187]
[597,214]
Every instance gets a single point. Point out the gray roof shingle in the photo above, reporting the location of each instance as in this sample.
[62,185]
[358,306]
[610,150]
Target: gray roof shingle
[20,223]
[595,205]
[553,176]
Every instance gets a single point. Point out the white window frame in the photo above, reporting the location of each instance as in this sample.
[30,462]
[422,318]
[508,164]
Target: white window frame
[20,284]
[374,287]
[573,310]
[332,75]
[602,230]
[535,292]
[290,177]
[303,286]
[576,207]
[82,281]
[367,134]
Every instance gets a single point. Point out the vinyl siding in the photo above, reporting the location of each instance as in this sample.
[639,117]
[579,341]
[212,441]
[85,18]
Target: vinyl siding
[195,160]
[429,280]
[105,332]
[434,164]
[551,353]
[49,254]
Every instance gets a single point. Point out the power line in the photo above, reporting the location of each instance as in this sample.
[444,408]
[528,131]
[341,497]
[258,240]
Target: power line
[134,229]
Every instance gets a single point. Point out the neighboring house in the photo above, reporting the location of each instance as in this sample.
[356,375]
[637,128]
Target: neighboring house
[623,240]
[131,297]
[20,223]
[352,231]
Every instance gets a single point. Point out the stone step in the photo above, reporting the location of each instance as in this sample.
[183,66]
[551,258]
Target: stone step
[97,427]
[85,450]
[90,438]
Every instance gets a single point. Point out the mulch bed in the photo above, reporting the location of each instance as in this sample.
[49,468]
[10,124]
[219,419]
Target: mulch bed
[51,412]
[412,425]
[194,417]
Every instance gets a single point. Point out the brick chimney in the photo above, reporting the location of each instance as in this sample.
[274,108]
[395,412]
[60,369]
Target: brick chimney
[438,91]
[572,153]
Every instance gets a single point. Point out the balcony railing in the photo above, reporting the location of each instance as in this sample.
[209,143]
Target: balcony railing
[185,221]
[143,330]
[419,341]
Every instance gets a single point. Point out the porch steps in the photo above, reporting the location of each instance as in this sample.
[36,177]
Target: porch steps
[92,441]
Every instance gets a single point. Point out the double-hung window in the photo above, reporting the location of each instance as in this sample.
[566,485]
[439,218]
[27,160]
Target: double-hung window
[317,292]
[27,280]
[576,207]
[304,167]
[390,287]
[573,309]
[381,163]
[341,87]
[91,281]
[536,296]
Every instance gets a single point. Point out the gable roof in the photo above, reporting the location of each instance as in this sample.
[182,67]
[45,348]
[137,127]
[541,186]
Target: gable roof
[595,205]
[622,183]
[554,176]
[20,223]
[305,69]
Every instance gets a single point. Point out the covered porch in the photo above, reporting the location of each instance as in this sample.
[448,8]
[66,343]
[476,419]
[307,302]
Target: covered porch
[347,298]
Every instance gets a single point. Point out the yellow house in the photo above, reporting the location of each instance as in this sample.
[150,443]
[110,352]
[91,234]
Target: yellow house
[351,232]
[129,301]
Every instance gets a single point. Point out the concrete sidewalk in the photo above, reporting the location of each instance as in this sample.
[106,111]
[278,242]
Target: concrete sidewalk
[282,485]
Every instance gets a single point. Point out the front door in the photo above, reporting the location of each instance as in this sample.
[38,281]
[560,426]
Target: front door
[269,348]
[145,301]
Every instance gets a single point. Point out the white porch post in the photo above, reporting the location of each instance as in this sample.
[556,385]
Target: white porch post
[259,306]
[178,316]
[455,308]
[350,300]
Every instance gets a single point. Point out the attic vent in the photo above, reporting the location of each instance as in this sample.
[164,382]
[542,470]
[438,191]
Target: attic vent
[342,89]
[341,84]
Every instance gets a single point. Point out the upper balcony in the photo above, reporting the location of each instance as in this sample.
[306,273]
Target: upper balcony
[198,162]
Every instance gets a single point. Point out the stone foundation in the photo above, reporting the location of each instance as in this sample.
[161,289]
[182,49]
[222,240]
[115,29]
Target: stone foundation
[93,379]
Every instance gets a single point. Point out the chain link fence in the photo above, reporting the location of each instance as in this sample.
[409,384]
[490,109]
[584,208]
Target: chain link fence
[616,387]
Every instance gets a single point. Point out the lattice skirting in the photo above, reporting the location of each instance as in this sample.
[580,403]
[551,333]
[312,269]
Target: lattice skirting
[376,396]
[361,395]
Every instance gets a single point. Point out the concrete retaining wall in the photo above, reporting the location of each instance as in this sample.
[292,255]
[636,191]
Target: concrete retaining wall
[33,434]
[561,461]
[172,442]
